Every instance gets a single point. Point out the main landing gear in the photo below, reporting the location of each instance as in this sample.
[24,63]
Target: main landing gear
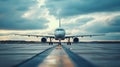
[68,43]
[50,43]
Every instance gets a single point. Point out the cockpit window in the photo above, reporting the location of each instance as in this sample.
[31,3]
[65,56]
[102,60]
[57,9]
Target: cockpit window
[59,29]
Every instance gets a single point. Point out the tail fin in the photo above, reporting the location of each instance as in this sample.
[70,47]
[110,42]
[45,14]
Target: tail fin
[59,22]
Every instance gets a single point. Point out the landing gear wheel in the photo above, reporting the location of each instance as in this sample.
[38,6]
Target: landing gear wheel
[59,43]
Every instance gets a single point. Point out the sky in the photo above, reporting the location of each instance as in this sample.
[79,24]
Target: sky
[78,17]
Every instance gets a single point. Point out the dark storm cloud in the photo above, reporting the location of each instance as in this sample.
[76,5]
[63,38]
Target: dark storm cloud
[4,0]
[11,12]
[22,24]
[22,8]
[77,7]
[109,26]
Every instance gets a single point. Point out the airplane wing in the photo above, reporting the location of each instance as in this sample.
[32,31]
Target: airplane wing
[72,36]
[47,36]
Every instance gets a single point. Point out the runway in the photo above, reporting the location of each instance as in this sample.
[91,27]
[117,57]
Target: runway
[57,58]
[99,55]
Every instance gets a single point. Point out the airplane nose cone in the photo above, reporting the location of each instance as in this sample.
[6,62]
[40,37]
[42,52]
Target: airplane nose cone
[59,34]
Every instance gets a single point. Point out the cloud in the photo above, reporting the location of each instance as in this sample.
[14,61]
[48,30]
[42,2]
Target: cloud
[115,21]
[23,24]
[95,23]
[77,7]
[11,15]
[104,26]
[77,22]
[77,16]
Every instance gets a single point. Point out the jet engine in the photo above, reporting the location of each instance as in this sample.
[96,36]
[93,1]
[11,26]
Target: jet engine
[43,39]
[76,40]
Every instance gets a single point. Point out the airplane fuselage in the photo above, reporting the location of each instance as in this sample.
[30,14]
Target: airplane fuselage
[59,34]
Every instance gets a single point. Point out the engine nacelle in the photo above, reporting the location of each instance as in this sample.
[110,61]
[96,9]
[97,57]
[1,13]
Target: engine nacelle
[75,40]
[44,39]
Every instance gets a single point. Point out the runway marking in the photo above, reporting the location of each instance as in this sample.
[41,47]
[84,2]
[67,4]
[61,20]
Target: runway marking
[57,58]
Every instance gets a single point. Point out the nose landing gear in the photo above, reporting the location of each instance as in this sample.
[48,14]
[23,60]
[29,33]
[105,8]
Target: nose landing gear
[59,43]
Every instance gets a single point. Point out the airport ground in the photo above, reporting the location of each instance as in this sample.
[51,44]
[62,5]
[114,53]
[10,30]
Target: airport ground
[97,54]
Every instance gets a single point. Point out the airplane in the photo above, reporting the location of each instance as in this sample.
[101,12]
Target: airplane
[59,34]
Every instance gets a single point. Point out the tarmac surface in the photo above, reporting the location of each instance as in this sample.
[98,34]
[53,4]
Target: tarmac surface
[75,55]
[57,58]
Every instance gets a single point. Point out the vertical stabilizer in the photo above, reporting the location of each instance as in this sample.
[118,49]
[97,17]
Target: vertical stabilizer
[59,22]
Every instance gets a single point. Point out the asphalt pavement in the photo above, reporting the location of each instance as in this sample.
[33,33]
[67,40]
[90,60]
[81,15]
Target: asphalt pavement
[75,55]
